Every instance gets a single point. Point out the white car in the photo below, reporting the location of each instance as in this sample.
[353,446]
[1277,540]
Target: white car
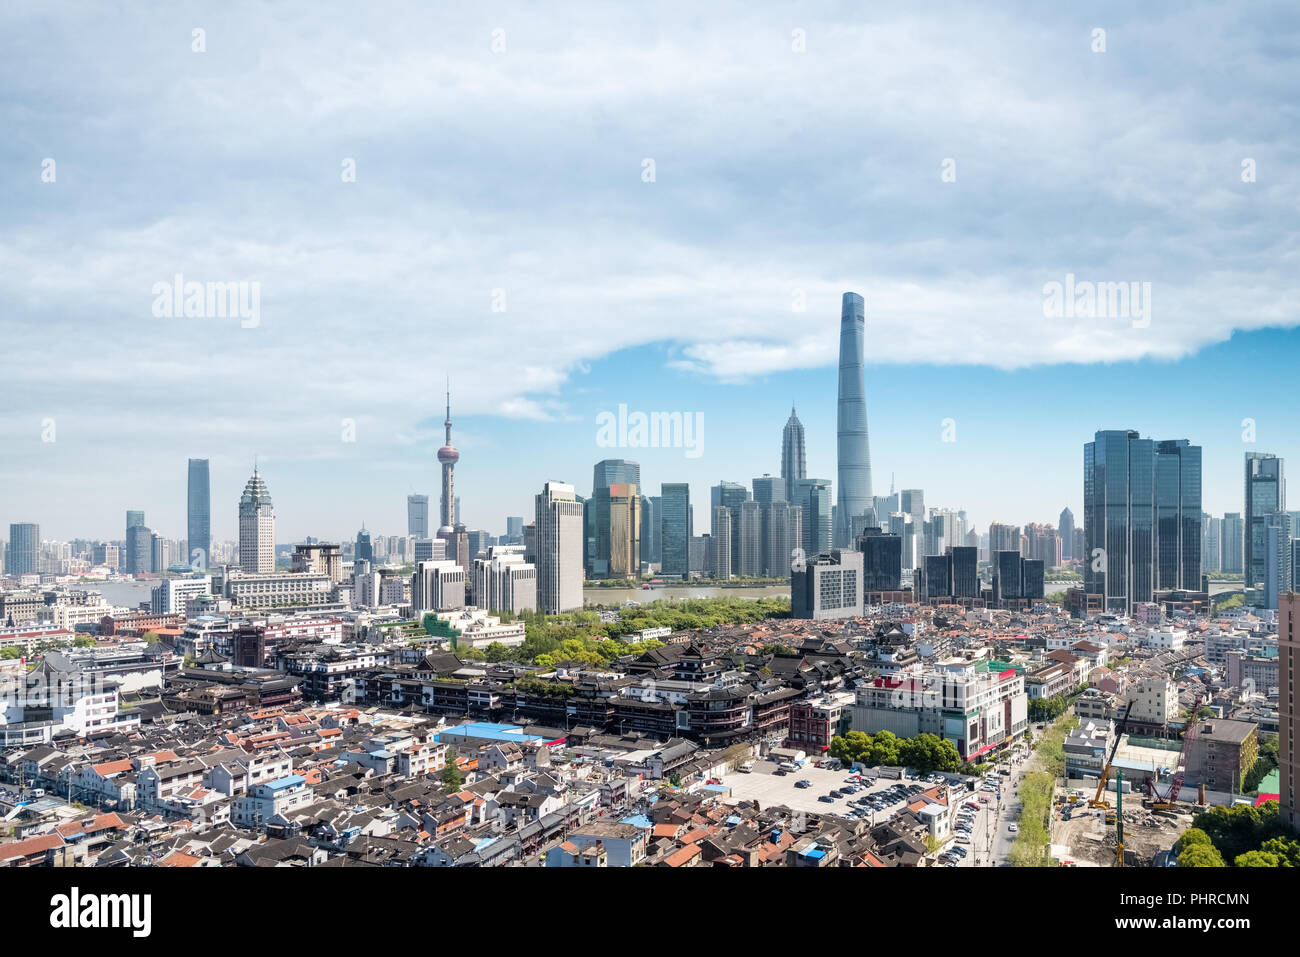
[1013,827]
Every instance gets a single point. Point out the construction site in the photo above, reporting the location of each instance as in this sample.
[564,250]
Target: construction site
[1136,810]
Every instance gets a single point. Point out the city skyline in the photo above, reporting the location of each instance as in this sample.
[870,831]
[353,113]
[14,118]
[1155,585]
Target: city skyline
[949,206]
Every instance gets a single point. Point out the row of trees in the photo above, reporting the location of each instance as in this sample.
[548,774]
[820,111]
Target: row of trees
[925,752]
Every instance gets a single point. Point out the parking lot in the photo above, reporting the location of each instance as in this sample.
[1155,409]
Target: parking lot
[767,787]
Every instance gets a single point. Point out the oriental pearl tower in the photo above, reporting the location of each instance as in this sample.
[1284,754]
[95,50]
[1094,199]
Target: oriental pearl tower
[448,457]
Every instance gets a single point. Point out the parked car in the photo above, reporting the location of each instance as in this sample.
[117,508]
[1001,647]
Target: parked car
[1013,827]
[805,783]
[827,799]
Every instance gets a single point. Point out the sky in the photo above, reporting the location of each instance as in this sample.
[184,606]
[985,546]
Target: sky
[565,209]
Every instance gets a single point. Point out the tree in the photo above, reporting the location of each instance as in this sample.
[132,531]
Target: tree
[1191,838]
[497,652]
[452,780]
[1200,855]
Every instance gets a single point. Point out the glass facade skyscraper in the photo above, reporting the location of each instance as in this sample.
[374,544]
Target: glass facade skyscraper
[1142,517]
[417,516]
[1265,494]
[794,462]
[23,551]
[198,511]
[813,495]
[853,451]
[675,532]
[882,560]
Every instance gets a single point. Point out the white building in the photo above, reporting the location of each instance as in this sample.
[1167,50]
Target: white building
[478,629]
[437,586]
[559,549]
[503,581]
[278,589]
[170,596]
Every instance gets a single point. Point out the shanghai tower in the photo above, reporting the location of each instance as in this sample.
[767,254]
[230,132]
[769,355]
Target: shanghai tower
[854,454]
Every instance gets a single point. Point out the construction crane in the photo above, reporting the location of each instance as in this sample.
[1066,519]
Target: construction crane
[1099,799]
[1161,802]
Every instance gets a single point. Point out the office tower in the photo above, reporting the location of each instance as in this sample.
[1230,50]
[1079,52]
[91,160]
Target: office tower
[107,554]
[1178,515]
[937,576]
[965,571]
[782,534]
[198,512]
[609,472]
[618,531]
[1231,543]
[363,549]
[1142,509]
[900,524]
[515,529]
[417,516]
[438,586]
[794,463]
[730,495]
[448,456]
[852,443]
[652,519]
[1212,542]
[606,472]
[23,553]
[675,529]
[747,560]
[720,542]
[139,549]
[480,540]
[1008,575]
[256,528]
[882,560]
[813,496]
[769,489]
[912,501]
[1265,495]
[316,558]
[559,547]
[503,581]
[1288,646]
[1066,525]
[699,547]
[1080,543]
[134,518]
[1277,558]
[828,586]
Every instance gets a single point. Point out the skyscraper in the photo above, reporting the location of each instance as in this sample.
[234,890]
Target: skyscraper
[363,549]
[652,517]
[417,516]
[882,563]
[198,511]
[1178,515]
[853,449]
[813,496]
[1288,645]
[607,472]
[720,542]
[1066,526]
[1230,543]
[139,549]
[794,463]
[620,539]
[23,552]
[559,547]
[1265,494]
[748,560]
[1142,509]
[448,456]
[256,528]
[675,534]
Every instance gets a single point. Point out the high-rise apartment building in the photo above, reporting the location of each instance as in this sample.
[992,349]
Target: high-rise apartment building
[198,513]
[503,581]
[852,441]
[747,560]
[782,535]
[675,532]
[256,528]
[559,547]
[794,462]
